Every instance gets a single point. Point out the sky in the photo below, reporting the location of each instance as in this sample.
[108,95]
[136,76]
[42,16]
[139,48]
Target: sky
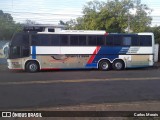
[52,11]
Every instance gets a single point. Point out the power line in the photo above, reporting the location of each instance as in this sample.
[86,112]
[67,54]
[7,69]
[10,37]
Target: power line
[44,13]
[59,14]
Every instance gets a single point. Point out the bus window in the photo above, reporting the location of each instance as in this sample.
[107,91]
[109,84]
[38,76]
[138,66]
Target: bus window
[64,40]
[74,40]
[145,40]
[117,40]
[148,40]
[55,40]
[92,41]
[109,40]
[135,41]
[35,41]
[44,40]
[25,40]
[82,40]
[15,52]
[51,30]
[100,40]
[25,51]
[20,39]
[126,41]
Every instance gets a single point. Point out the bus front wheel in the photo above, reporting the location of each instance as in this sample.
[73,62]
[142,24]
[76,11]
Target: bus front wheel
[118,65]
[104,65]
[32,67]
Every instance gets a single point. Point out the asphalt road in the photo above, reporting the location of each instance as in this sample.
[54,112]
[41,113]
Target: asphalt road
[20,90]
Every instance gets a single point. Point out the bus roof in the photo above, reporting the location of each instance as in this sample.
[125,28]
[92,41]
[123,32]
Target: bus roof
[92,32]
[88,32]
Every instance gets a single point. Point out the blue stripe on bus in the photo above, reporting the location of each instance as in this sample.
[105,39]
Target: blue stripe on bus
[33,52]
[115,51]
[93,65]
[110,57]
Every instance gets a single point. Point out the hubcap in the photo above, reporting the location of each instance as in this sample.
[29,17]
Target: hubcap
[33,67]
[104,66]
[118,65]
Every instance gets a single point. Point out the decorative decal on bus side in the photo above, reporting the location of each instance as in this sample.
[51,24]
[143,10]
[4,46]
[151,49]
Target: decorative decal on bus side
[59,57]
[93,55]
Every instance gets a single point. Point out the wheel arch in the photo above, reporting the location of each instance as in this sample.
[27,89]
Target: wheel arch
[27,61]
[120,60]
[101,60]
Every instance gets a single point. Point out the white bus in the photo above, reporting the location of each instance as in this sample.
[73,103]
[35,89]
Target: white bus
[34,51]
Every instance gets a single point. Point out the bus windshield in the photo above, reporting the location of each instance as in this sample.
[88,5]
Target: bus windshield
[19,46]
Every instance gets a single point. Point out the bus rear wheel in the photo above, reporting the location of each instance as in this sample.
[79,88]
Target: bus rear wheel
[32,67]
[104,65]
[118,65]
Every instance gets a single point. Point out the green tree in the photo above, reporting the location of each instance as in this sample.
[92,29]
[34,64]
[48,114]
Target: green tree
[113,16]
[7,26]
[141,19]
[156,31]
[29,22]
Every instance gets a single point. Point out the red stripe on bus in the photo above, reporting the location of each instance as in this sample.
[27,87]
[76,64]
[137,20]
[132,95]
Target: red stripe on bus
[93,56]
[50,69]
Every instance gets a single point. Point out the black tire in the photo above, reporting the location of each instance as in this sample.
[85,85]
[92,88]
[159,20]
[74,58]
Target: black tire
[32,67]
[104,65]
[118,65]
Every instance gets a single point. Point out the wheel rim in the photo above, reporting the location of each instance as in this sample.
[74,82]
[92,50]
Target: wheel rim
[104,65]
[118,65]
[33,67]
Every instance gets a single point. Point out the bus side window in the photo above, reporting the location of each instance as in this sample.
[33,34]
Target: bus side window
[126,41]
[135,41]
[148,40]
[44,39]
[55,40]
[25,51]
[74,40]
[145,40]
[100,40]
[82,40]
[92,40]
[109,40]
[64,40]
[34,40]
[117,40]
